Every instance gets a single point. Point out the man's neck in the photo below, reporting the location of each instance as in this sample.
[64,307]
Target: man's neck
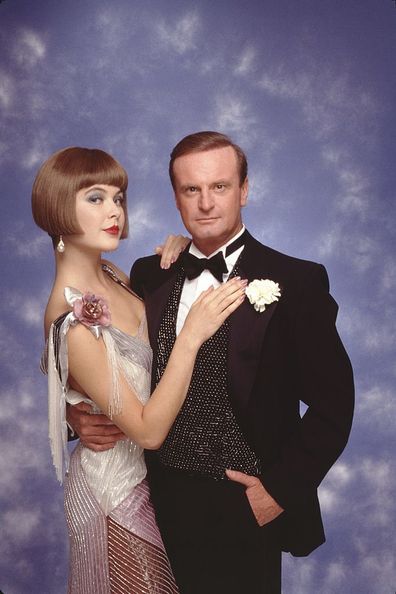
[209,249]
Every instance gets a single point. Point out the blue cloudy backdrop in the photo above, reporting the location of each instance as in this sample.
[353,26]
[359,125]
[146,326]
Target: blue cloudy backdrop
[308,89]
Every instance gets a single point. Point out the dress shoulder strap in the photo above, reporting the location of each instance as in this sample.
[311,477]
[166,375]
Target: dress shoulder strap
[114,276]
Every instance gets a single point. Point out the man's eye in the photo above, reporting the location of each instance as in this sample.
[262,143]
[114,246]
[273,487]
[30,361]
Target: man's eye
[192,189]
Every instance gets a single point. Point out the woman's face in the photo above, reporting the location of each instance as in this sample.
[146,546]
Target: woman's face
[101,217]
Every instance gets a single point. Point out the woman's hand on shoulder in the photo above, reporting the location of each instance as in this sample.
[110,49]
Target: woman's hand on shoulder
[171,249]
[212,308]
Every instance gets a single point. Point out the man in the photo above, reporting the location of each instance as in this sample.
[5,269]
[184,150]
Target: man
[235,482]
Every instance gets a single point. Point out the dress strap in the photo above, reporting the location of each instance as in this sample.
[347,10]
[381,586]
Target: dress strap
[113,275]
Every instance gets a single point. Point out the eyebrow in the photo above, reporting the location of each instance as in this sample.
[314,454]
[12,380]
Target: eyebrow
[215,183]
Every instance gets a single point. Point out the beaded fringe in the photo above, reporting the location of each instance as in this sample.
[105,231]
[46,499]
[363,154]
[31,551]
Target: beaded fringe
[121,553]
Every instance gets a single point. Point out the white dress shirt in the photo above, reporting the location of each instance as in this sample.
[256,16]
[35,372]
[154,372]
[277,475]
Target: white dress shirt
[194,287]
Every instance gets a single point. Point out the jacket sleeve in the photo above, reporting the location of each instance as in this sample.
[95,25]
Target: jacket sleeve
[324,382]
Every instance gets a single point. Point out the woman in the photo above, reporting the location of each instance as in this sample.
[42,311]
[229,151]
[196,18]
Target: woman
[98,346]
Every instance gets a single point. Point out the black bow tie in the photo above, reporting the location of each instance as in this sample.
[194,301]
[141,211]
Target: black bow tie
[194,266]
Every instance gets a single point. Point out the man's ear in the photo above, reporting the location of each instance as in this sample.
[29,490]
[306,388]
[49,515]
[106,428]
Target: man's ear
[244,192]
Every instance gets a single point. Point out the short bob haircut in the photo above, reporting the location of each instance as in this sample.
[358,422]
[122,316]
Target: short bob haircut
[207,141]
[62,176]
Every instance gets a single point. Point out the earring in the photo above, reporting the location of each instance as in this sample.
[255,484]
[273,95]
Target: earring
[61,246]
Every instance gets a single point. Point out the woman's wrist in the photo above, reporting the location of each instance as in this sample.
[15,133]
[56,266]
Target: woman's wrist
[188,342]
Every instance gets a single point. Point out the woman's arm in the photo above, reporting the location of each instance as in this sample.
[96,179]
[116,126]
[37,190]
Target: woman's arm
[149,425]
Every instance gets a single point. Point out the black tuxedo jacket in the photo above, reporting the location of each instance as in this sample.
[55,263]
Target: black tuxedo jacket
[289,353]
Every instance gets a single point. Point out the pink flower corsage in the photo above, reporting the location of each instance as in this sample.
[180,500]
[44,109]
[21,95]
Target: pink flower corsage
[92,310]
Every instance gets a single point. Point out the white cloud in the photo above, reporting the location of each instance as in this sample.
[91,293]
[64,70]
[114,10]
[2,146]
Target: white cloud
[245,62]
[110,24]
[20,523]
[378,473]
[28,308]
[333,493]
[371,333]
[302,575]
[328,499]
[388,280]
[20,398]
[357,499]
[35,247]
[30,247]
[29,48]
[377,334]
[329,99]
[341,241]
[142,220]
[6,90]
[336,572]
[341,474]
[115,26]
[180,35]
[234,116]
[25,446]
[260,185]
[37,151]
[355,193]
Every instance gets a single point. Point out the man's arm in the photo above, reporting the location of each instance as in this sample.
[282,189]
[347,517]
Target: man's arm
[324,379]
[324,374]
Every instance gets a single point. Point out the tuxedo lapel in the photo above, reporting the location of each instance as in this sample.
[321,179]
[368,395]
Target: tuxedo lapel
[247,329]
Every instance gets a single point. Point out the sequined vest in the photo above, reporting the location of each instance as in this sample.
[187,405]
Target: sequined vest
[205,438]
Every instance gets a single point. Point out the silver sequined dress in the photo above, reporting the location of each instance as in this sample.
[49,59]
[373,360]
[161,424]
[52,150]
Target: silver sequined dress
[115,544]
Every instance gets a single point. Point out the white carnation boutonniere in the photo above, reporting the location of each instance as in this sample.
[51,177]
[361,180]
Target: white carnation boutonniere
[262,292]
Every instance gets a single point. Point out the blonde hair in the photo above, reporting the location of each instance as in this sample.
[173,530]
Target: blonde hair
[60,178]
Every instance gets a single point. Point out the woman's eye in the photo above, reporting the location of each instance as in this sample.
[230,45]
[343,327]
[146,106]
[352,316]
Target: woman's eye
[119,199]
[95,198]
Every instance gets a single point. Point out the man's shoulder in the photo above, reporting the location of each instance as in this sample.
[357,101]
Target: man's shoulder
[146,263]
[290,272]
[146,274]
[269,256]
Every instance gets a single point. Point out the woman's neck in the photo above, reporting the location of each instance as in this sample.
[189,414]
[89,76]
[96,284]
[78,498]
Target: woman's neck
[81,269]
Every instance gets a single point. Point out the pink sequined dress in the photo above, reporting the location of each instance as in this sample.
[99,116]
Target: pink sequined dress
[115,544]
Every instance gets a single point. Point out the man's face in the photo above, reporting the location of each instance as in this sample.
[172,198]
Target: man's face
[209,197]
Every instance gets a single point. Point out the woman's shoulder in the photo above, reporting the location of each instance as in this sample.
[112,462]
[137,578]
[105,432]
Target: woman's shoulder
[56,308]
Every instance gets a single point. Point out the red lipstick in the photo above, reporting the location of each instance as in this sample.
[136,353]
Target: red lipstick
[114,230]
